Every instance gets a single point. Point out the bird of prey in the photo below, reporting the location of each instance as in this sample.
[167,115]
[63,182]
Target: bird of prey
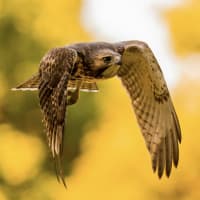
[64,71]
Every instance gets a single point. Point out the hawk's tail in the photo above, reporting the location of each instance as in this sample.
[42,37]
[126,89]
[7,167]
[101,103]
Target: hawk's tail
[30,84]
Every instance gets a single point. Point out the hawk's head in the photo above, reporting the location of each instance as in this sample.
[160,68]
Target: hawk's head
[100,59]
[104,63]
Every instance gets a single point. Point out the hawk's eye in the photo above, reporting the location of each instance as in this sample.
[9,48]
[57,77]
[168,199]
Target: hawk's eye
[107,59]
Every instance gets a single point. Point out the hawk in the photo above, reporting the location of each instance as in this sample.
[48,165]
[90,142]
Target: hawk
[65,71]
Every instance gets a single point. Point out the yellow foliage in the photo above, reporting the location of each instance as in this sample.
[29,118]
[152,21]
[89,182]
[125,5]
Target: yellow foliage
[2,195]
[56,23]
[62,30]
[20,155]
[184,26]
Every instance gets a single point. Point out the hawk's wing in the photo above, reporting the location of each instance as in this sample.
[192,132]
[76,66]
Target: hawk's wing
[54,74]
[141,75]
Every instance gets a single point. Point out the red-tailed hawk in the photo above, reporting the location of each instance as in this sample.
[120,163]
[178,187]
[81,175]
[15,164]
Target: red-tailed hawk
[65,71]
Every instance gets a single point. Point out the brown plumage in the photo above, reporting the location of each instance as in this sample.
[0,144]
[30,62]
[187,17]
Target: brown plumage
[64,71]
[143,79]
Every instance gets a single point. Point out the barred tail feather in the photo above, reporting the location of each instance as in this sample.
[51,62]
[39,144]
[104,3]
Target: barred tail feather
[29,85]
[86,86]
[89,87]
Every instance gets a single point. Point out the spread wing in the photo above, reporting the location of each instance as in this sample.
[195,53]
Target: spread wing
[142,77]
[54,74]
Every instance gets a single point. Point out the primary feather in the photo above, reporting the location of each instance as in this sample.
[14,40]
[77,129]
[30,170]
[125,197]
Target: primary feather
[141,75]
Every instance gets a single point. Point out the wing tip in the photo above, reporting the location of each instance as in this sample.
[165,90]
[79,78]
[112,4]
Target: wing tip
[176,163]
[160,174]
[59,171]
[167,168]
[168,172]
[62,180]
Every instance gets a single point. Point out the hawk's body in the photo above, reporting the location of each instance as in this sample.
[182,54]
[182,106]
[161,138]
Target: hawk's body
[64,71]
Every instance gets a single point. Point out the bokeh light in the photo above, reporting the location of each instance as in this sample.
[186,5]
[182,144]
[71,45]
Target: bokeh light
[20,155]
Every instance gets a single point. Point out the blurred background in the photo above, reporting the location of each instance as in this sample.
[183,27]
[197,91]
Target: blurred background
[105,156]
